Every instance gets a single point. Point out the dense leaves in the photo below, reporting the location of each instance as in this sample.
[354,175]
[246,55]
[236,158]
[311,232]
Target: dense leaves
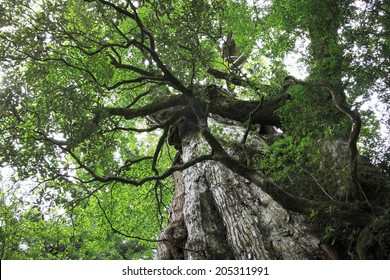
[94,92]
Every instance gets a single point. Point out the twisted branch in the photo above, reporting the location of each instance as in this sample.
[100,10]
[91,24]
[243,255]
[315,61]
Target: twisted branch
[343,107]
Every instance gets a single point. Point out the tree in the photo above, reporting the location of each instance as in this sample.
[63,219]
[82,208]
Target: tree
[31,229]
[137,114]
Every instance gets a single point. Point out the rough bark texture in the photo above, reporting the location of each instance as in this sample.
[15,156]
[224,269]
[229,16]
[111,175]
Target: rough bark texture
[228,217]
[175,234]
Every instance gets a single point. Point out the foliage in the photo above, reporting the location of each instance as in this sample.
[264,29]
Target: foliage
[35,231]
[286,155]
[93,92]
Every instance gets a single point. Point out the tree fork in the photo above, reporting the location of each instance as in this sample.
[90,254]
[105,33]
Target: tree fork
[325,209]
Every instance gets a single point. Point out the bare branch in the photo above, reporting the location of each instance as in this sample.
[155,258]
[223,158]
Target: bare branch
[318,184]
[108,179]
[116,8]
[129,163]
[119,128]
[157,151]
[139,96]
[131,68]
[134,81]
[158,105]
[251,120]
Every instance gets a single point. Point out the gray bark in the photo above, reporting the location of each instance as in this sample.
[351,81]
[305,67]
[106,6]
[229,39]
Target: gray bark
[227,217]
[174,235]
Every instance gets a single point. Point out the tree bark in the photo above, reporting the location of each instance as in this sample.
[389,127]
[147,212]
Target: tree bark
[227,217]
[175,234]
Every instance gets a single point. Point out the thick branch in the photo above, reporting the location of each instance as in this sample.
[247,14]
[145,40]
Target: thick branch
[142,79]
[231,77]
[218,103]
[235,79]
[241,110]
[117,8]
[128,113]
[325,209]
[343,107]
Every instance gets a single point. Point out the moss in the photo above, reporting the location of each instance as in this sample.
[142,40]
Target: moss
[374,241]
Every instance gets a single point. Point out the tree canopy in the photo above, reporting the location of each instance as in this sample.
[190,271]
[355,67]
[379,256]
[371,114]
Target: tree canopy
[93,93]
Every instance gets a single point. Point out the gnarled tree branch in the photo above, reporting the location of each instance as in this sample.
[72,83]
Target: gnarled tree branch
[343,107]
[325,209]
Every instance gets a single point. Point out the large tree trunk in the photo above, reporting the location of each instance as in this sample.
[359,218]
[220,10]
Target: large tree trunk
[227,217]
